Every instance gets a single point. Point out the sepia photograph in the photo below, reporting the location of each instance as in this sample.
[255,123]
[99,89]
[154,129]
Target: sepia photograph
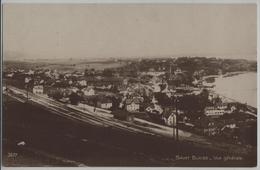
[129,84]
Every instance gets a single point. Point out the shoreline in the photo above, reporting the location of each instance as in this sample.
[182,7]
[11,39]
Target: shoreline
[227,75]
[235,73]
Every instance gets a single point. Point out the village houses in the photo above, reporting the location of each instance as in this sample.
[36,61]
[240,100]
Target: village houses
[88,91]
[104,103]
[38,89]
[133,105]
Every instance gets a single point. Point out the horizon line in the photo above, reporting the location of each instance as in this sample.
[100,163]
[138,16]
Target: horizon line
[129,58]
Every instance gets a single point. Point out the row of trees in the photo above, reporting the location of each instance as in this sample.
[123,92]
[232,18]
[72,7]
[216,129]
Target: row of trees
[192,105]
[75,98]
[190,65]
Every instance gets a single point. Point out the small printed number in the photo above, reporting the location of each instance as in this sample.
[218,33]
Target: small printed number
[12,155]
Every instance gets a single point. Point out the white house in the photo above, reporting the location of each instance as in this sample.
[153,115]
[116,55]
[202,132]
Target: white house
[104,103]
[231,126]
[154,73]
[10,75]
[154,101]
[82,82]
[158,108]
[125,82]
[38,89]
[222,106]
[132,105]
[171,120]
[84,105]
[195,82]
[155,108]
[213,96]
[74,89]
[48,73]
[70,82]
[231,110]
[42,81]
[213,111]
[30,72]
[156,88]
[88,91]
[178,71]
[167,91]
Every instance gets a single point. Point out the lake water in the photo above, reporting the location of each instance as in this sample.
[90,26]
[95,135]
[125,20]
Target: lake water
[242,87]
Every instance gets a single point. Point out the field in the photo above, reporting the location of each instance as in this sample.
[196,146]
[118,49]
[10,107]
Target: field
[63,66]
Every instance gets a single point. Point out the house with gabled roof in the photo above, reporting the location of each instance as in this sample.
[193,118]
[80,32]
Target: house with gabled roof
[88,91]
[104,103]
[38,89]
[133,105]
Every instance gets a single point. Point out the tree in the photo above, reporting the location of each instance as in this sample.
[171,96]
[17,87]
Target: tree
[74,98]
[89,72]
[55,94]
[86,72]
[108,72]
[204,98]
[115,103]
[191,105]
[163,99]
[217,101]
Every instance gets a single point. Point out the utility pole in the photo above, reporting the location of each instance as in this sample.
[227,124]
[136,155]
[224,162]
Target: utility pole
[27,81]
[27,92]
[175,127]
[6,92]
[170,71]
[177,119]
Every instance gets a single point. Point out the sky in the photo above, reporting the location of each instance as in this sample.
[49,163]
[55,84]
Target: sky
[59,31]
